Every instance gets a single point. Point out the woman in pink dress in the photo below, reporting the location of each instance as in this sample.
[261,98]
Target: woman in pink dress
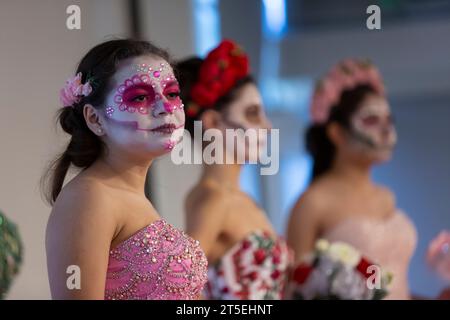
[352,131]
[247,259]
[104,239]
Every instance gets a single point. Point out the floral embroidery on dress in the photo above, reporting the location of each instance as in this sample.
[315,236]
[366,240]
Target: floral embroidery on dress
[257,268]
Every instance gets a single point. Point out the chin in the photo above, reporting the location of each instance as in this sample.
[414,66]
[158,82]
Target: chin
[382,158]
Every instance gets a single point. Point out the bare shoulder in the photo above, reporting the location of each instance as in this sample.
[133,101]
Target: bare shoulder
[82,203]
[206,197]
[314,202]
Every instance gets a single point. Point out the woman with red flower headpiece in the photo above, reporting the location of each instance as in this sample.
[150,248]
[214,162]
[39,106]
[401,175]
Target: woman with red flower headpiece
[247,259]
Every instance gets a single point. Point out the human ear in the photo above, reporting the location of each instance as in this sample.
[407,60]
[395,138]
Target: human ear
[93,119]
[336,133]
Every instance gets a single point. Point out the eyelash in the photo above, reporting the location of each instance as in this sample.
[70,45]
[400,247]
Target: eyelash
[173,95]
[136,99]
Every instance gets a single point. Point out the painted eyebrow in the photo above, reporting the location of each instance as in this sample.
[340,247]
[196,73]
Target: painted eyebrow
[171,83]
[142,87]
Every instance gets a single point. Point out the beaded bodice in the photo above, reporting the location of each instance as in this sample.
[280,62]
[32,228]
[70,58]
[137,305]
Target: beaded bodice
[159,262]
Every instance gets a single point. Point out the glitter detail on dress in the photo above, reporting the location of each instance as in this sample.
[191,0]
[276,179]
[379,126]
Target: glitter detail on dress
[159,262]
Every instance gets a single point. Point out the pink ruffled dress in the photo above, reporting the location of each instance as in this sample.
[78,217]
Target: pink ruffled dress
[159,262]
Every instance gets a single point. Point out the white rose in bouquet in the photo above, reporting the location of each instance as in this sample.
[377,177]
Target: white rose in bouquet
[342,252]
[349,285]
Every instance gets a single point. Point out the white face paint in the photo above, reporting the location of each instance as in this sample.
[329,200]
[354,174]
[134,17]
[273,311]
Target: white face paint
[372,129]
[144,112]
[246,112]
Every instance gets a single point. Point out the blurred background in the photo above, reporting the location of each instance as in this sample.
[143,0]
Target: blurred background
[290,43]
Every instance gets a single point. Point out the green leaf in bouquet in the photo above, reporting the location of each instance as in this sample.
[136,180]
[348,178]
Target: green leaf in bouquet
[379,294]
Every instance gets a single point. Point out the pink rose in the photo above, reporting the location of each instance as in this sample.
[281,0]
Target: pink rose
[74,90]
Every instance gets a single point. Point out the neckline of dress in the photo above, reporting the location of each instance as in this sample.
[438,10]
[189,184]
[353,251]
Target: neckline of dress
[365,220]
[138,232]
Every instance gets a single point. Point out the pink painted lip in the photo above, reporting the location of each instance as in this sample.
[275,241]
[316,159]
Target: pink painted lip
[167,128]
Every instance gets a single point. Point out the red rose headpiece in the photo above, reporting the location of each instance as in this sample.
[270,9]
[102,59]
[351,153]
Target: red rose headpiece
[219,72]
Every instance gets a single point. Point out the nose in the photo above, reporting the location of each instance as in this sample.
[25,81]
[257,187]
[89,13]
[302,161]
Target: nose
[162,108]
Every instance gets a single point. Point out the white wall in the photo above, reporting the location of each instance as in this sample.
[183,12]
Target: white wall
[37,54]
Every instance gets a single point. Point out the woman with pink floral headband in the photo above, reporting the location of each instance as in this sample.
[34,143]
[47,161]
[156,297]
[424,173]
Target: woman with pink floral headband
[352,131]
[104,239]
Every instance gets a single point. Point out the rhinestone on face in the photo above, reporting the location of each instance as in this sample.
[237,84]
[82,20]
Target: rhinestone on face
[109,111]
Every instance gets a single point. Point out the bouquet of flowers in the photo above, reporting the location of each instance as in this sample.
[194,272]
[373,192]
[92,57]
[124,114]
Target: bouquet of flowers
[338,271]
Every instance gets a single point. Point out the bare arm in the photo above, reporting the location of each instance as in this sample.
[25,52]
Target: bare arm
[303,226]
[205,216]
[79,233]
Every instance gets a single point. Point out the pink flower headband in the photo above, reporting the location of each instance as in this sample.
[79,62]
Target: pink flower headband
[346,75]
[74,90]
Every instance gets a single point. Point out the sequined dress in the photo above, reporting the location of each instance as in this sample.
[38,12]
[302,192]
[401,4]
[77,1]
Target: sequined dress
[159,262]
[256,268]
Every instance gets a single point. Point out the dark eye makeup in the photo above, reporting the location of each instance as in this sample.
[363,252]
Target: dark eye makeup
[139,95]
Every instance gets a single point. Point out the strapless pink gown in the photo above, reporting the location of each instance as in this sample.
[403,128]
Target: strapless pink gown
[256,268]
[159,262]
[390,243]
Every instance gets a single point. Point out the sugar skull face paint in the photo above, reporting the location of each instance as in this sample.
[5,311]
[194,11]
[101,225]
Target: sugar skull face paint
[144,109]
[372,129]
[247,112]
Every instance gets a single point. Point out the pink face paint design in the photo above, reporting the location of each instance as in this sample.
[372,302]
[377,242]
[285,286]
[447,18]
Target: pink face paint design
[372,130]
[167,128]
[171,90]
[376,128]
[133,92]
[145,109]
[169,145]
[136,94]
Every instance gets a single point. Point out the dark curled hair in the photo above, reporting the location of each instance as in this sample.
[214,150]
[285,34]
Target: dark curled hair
[187,72]
[98,66]
[317,142]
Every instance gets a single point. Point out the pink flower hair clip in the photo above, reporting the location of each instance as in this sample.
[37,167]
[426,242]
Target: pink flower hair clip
[346,75]
[74,90]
